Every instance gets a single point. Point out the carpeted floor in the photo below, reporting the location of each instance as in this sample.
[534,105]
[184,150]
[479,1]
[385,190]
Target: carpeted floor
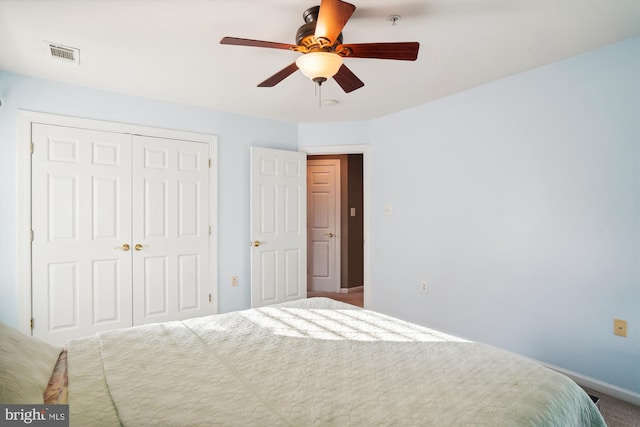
[616,413]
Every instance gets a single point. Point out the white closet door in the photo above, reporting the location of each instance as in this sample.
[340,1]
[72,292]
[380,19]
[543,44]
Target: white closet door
[81,204]
[170,229]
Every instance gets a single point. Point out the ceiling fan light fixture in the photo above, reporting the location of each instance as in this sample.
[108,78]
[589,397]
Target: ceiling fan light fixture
[319,66]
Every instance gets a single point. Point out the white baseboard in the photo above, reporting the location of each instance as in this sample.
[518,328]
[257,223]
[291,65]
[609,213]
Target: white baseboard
[352,290]
[597,385]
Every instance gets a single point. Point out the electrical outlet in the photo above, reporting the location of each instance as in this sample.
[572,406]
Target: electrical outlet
[620,327]
[234,280]
[424,286]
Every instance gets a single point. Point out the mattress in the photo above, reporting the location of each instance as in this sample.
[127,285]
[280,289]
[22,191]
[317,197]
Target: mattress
[306,363]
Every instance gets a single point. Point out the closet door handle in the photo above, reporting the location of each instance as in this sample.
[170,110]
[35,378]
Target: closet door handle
[138,247]
[125,247]
[329,235]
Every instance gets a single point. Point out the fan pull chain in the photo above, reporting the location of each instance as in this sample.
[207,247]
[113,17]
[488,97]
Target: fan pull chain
[318,93]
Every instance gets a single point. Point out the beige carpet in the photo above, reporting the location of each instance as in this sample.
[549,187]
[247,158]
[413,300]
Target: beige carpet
[616,413]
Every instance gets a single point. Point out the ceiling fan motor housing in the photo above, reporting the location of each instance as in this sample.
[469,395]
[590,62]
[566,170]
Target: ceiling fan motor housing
[305,36]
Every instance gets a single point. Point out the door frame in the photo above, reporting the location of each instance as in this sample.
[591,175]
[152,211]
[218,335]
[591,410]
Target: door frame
[365,151]
[24,148]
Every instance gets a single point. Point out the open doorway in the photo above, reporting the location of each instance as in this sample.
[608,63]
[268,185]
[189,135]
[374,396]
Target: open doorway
[335,227]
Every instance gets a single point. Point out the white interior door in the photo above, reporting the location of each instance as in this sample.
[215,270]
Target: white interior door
[81,198]
[278,226]
[170,244]
[323,222]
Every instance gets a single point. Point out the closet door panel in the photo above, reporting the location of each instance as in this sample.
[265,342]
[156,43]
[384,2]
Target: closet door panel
[81,217]
[170,229]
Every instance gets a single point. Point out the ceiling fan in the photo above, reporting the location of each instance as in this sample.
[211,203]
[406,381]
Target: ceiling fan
[320,42]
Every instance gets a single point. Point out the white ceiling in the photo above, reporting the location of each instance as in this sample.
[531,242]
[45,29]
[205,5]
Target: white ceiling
[169,50]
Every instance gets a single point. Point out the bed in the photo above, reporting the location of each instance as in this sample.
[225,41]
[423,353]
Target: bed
[312,362]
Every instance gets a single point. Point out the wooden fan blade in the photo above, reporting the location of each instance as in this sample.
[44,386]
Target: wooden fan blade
[255,43]
[347,80]
[279,76]
[332,18]
[403,51]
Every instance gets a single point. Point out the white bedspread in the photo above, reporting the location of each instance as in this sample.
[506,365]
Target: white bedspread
[306,363]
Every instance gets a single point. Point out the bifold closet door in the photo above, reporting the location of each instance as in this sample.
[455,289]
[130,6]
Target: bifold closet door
[81,222]
[171,254]
[120,231]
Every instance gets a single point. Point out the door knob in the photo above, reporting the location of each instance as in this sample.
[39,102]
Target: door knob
[329,234]
[256,243]
[125,247]
[138,247]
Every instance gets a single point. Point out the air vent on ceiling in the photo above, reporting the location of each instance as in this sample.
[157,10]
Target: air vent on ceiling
[64,53]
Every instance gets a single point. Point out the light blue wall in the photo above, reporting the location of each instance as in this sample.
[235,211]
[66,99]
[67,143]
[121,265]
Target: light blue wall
[236,134]
[519,202]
